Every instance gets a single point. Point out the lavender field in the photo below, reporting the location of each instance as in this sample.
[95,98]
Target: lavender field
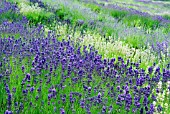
[84,57]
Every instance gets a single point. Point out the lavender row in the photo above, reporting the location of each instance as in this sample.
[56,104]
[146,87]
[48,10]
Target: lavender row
[21,28]
[59,65]
[41,74]
[136,12]
[118,30]
[7,6]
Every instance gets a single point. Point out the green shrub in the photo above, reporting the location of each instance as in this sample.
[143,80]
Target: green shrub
[10,16]
[140,21]
[166,16]
[135,42]
[118,13]
[94,7]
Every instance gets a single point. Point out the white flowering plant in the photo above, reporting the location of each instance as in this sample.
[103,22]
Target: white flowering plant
[162,102]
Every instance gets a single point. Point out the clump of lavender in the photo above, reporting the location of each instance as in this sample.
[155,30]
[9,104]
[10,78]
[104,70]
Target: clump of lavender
[44,75]
[6,6]
[50,70]
[9,11]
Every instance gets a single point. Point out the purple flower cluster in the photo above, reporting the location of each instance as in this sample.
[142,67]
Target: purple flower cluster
[124,80]
[162,48]
[21,29]
[18,27]
[6,6]
[65,76]
[9,12]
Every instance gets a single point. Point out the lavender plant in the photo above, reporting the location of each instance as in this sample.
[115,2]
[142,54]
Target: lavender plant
[109,27]
[51,67]
[40,74]
[8,11]
[142,55]
[43,74]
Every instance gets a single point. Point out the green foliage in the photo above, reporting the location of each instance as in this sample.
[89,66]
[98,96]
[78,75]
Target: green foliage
[166,16]
[35,17]
[64,13]
[94,7]
[118,14]
[10,16]
[107,31]
[141,21]
[166,29]
[2,97]
[5,35]
[135,42]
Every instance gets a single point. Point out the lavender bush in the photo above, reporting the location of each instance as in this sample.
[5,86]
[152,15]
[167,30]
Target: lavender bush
[105,24]
[151,39]
[40,74]
[43,75]
[8,11]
